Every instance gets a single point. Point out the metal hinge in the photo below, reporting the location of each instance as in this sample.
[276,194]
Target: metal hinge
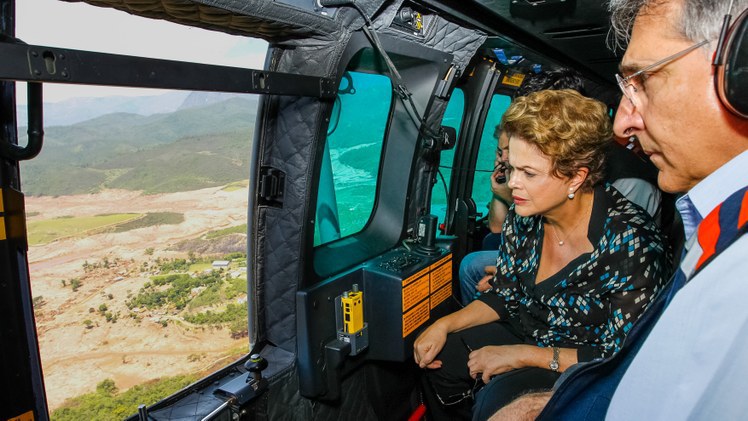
[271,187]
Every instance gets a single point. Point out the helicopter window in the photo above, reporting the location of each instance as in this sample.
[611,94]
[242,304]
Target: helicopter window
[351,156]
[126,205]
[132,299]
[487,152]
[452,118]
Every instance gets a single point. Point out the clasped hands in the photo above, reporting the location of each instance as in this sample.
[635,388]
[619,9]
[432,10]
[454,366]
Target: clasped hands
[485,362]
[484,284]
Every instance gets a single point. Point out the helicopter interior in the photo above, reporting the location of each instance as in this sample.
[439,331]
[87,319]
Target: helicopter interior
[338,296]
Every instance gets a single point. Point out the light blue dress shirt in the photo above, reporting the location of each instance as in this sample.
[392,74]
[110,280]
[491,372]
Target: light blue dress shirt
[694,364]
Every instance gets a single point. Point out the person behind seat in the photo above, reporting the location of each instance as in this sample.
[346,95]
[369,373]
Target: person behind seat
[475,266]
[692,363]
[630,174]
[577,264]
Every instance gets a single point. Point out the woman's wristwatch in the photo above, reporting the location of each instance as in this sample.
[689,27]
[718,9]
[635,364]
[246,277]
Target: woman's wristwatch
[553,365]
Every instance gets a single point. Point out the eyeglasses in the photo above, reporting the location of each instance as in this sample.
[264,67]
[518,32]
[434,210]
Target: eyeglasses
[627,84]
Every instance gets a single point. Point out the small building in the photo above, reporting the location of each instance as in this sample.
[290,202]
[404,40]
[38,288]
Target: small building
[221,263]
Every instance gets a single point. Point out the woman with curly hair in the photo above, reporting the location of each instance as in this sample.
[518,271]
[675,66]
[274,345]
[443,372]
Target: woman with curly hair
[577,264]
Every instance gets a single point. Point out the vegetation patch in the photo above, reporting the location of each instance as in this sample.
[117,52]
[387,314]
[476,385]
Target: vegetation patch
[151,219]
[236,286]
[231,313]
[171,290]
[108,404]
[173,265]
[48,230]
[236,185]
[180,285]
[200,267]
[234,315]
[208,297]
[239,229]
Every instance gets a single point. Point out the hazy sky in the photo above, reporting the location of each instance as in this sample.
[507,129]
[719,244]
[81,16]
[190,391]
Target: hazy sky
[84,27]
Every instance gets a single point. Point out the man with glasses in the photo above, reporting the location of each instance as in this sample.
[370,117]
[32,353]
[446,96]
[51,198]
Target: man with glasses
[692,363]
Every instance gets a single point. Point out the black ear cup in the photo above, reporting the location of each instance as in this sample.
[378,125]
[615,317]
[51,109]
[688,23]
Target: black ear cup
[732,75]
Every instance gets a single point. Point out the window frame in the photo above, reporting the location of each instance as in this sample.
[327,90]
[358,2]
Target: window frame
[326,155]
[388,223]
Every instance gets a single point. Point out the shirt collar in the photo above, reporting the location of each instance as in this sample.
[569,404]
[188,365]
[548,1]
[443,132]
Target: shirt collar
[713,190]
[689,215]
[602,202]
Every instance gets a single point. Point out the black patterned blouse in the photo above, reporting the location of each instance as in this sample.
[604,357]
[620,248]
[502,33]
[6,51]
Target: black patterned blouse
[593,301]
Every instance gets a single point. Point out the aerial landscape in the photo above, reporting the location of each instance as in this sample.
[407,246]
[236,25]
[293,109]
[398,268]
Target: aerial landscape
[137,251]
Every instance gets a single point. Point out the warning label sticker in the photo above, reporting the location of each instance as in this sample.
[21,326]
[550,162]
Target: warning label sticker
[415,292]
[415,317]
[441,275]
[26,416]
[513,79]
[441,262]
[434,280]
[441,295]
[415,277]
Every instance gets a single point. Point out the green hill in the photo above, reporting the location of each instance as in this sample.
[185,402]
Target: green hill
[180,151]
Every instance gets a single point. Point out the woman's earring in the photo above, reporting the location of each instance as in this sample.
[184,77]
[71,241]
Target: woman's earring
[571,194]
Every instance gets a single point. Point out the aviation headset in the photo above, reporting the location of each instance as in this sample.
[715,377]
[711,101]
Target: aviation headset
[731,62]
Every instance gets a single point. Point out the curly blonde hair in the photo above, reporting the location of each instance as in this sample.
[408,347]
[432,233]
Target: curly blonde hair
[569,128]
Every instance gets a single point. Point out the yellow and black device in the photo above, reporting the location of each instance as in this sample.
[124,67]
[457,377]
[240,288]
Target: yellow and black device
[353,311]
[351,328]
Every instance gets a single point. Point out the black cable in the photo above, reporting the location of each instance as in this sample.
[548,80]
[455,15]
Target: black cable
[339,104]
[400,89]
[444,183]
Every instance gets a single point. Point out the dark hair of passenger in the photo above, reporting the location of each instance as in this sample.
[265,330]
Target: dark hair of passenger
[555,79]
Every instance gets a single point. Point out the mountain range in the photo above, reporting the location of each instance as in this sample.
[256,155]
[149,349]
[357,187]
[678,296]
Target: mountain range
[76,110]
[203,141]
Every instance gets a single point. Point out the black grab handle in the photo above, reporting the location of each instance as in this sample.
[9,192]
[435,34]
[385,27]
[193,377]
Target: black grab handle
[35,131]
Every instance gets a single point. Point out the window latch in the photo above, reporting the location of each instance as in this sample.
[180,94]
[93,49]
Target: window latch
[271,187]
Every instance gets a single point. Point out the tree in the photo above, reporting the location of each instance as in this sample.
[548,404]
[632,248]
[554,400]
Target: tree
[107,388]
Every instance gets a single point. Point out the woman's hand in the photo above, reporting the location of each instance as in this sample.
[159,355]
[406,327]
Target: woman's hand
[492,360]
[501,190]
[483,285]
[428,345]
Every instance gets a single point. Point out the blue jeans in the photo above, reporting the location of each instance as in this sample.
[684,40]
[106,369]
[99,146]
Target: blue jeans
[472,271]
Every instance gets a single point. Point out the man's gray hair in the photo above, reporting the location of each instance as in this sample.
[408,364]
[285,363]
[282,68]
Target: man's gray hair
[700,19]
